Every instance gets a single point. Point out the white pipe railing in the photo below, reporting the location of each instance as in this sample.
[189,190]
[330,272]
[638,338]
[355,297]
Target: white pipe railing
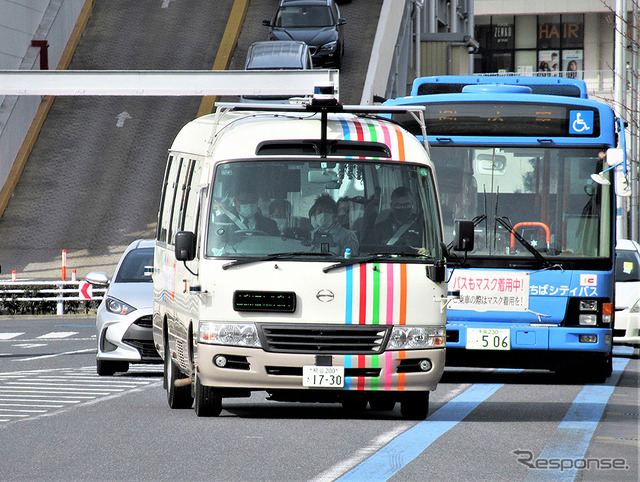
[59,291]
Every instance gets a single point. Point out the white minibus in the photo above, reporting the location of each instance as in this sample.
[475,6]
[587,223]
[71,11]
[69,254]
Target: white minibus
[299,252]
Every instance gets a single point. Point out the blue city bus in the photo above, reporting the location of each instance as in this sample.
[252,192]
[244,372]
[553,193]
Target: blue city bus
[520,157]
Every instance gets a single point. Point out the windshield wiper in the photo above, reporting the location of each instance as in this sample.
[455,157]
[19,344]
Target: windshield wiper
[536,254]
[372,258]
[271,257]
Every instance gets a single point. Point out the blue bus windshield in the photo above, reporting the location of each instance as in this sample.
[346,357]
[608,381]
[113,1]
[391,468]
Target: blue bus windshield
[547,194]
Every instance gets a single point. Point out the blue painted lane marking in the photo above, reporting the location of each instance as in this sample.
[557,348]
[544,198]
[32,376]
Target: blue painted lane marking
[573,436]
[402,450]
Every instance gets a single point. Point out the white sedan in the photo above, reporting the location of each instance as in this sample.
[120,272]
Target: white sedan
[626,329]
[124,318]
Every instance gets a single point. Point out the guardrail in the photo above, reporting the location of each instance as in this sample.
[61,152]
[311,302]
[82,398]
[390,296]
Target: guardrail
[40,297]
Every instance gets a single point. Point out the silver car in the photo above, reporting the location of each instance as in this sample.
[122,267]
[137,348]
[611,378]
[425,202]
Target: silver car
[123,322]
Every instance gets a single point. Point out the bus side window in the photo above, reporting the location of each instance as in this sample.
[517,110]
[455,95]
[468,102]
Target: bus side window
[166,201]
[191,202]
[178,193]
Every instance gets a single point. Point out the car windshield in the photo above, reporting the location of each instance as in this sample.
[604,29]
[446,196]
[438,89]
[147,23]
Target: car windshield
[335,208]
[627,265]
[304,16]
[136,267]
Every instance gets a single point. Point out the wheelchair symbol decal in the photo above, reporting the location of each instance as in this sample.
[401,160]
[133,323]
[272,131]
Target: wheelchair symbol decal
[580,122]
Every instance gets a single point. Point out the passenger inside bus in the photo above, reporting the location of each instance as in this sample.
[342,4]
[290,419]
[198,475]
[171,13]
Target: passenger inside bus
[328,235]
[280,212]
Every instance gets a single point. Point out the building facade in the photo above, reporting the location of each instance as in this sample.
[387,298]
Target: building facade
[570,38]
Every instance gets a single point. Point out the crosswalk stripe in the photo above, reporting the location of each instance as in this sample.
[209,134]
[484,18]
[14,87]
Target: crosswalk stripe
[57,334]
[35,393]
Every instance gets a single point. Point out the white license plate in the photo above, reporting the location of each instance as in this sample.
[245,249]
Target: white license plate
[325,377]
[488,339]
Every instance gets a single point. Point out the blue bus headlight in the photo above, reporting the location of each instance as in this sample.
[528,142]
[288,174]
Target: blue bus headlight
[588,320]
[234,334]
[416,337]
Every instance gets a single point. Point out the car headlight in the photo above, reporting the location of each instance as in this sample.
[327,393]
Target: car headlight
[636,307]
[114,305]
[416,337]
[235,334]
[330,47]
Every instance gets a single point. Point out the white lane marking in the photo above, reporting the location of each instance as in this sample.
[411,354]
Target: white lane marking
[33,405]
[9,336]
[40,399]
[122,116]
[29,345]
[57,334]
[165,3]
[31,394]
[55,355]
[362,454]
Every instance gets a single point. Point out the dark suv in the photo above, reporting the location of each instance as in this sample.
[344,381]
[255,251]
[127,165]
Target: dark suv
[315,22]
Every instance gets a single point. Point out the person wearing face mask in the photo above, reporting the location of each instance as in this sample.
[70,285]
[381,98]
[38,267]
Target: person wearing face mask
[279,211]
[402,226]
[328,234]
[249,216]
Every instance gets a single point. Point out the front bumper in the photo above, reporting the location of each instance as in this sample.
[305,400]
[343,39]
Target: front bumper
[626,328]
[255,369]
[531,337]
[126,338]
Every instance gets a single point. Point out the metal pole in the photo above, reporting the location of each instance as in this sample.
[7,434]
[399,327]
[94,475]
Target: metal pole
[418,4]
[619,84]
[633,165]
[471,33]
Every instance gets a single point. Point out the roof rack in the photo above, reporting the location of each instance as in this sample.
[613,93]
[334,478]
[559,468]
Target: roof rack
[324,108]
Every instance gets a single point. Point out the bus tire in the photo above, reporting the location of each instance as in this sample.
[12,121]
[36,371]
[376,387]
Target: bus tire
[178,397]
[382,404]
[415,405]
[208,402]
[601,369]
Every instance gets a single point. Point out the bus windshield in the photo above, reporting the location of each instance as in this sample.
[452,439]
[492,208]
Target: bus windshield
[333,209]
[545,195]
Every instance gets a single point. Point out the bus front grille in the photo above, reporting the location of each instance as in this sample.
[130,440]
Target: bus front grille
[335,339]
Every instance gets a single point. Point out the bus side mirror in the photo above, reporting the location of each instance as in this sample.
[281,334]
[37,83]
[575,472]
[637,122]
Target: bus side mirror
[185,246]
[463,235]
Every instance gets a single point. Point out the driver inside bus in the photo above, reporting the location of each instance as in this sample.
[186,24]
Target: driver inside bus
[402,226]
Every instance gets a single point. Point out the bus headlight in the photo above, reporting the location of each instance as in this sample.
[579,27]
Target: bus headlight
[588,320]
[416,337]
[234,334]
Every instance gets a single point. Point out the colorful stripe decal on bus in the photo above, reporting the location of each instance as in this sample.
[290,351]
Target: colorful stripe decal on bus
[384,361]
[393,136]
[378,296]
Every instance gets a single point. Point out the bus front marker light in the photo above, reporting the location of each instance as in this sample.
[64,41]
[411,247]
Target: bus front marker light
[588,338]
[220,361]
[607,312]
[588,320]
[425,365]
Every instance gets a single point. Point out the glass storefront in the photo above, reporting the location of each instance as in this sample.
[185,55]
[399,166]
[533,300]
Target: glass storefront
[544,44]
